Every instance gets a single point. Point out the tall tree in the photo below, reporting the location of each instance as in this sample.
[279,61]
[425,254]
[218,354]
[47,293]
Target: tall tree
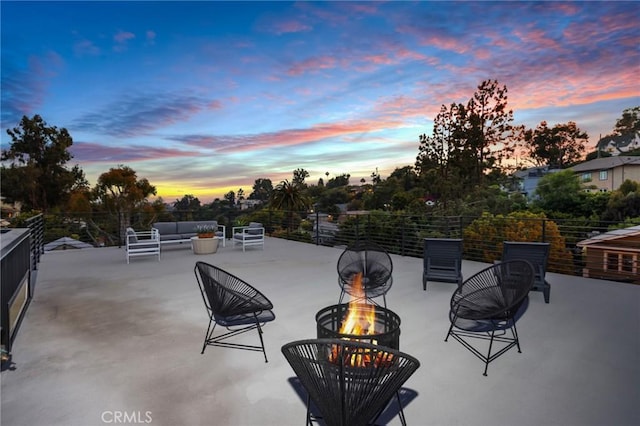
[299,175]
[120,192]
[37,175]
[629,123]
[440,154]
[468,142]
[187,203]
[338,181]
[560,146]
[262,189]
[290,197]
[487,133]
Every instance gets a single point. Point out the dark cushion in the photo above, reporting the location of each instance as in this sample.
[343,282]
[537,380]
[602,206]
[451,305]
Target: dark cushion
[254,231]
[166,228]
[131,236]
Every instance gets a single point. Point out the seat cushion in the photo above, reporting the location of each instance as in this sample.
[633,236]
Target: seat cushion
[166,228]
[255,231]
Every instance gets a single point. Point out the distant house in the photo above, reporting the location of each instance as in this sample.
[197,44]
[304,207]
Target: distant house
[607,174]
[246,204]
[613,255]
[528,179]
[619,144]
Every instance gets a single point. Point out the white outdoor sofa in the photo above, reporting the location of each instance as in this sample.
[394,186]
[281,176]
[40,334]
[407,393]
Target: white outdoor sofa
[252,235]
[181,232]
[142,243]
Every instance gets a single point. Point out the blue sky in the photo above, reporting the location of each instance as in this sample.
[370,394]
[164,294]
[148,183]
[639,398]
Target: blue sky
[206,97]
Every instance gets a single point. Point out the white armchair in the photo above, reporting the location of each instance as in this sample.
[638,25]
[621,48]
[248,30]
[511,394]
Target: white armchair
[143,243]
[252,235]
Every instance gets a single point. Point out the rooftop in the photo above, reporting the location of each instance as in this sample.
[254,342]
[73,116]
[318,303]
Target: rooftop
[101,336]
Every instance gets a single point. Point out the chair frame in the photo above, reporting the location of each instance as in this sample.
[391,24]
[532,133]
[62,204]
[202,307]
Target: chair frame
[309,360]
[370,293]
[241,235]
[233,304]
[442,261]
[142,243]
[472,320]
[536,253]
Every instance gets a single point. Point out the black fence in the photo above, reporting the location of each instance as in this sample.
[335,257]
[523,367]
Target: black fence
[397,233]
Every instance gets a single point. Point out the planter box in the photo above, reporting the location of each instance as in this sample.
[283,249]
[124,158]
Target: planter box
[204,245]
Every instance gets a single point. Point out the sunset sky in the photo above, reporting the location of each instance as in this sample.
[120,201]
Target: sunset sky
[206,97]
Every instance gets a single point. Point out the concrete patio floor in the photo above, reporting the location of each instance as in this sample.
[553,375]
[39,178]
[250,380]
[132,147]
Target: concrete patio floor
[102,337]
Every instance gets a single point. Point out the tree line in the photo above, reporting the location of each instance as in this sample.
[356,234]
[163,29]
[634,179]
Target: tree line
[464,167]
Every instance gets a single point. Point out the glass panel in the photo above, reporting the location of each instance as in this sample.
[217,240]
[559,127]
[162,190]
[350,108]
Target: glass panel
[603,175]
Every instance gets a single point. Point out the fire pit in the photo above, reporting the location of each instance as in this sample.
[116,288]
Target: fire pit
[360,322]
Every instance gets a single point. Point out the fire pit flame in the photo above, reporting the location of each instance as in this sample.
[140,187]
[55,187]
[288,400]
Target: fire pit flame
[361,317]
[360,321]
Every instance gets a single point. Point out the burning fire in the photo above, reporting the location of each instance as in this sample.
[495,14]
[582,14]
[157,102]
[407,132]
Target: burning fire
[360,321]
[361,317]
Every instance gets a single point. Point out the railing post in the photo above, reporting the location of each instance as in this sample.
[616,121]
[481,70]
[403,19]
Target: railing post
[317,227]
[402,239]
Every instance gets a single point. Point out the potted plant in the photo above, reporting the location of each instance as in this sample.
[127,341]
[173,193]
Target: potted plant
[204,242]
[205,231]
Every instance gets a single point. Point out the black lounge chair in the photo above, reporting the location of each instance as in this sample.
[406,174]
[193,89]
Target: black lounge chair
[487,305]
[346,390]
[442,260]
[538,255]
[233,304]
[373,264]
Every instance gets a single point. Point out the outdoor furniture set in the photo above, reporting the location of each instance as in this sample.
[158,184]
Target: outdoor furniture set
[149,243]
[182,232]
[351,381]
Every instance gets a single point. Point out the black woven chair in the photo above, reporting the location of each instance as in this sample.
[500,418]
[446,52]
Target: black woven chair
[442,261]
[233,304]
[345,390]
[486,307]
[375,266]
[537,254]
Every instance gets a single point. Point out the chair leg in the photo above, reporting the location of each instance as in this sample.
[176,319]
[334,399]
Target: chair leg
[261,340]
[424,283]
[208,334]
[547,292]
[486,363]
[449,332]
[403,420]
[341,297]
[514,332]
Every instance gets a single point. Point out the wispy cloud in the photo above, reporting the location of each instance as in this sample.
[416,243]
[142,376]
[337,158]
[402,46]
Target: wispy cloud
[92,153]
[285,138]
[24,88]
[121,39]
[136,115]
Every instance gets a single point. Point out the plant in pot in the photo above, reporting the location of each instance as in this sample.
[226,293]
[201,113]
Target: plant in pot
[205,231]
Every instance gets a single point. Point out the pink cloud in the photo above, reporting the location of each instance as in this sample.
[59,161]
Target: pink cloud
[85,47]
[123,36]
[90,153]
[289,137]
[292,26]
[312,64]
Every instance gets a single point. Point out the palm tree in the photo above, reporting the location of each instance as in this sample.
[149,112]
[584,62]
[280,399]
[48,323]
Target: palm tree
[290,197]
